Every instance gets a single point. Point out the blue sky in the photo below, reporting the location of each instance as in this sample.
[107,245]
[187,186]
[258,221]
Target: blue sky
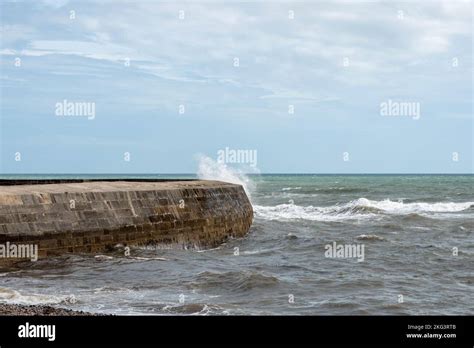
[333,62]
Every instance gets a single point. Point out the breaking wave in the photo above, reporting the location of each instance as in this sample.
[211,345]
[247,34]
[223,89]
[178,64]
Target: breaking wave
[357,209]
[408,208]
[11,296]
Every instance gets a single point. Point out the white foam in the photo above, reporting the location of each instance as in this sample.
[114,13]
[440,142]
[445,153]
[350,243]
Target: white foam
[293,211]
[408,208]
[11,296]
[361,208]
[291,188]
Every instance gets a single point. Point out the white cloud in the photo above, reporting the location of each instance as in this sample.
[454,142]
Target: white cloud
[274,52]
[94,50]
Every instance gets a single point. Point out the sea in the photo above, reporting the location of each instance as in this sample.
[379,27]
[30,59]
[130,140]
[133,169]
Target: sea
[319,245]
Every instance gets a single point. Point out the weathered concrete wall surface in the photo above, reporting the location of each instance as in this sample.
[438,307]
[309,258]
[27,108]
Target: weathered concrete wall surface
[95,216]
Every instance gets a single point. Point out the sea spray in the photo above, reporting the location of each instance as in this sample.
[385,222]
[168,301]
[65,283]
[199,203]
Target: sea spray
[212,170]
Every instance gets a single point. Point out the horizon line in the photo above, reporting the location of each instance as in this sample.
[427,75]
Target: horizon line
[251,174]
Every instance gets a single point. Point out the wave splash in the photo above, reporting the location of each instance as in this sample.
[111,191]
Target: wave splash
[358,209]
[209,169]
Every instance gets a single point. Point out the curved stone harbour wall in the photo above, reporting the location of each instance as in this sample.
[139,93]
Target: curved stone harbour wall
[90,216]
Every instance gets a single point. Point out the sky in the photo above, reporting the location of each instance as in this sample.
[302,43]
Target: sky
[300,84]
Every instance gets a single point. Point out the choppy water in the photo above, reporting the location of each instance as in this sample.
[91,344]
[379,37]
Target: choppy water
[408,225]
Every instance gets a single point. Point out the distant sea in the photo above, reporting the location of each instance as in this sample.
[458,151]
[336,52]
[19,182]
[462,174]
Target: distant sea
[417,232]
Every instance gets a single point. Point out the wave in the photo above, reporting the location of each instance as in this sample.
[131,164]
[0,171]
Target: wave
[235,280]
[416,207]
[327,190]
[357,209]
[293,211]
[110,289]
[195,309]
[11,296]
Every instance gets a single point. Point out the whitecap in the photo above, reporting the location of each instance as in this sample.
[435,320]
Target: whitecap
[361,208]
